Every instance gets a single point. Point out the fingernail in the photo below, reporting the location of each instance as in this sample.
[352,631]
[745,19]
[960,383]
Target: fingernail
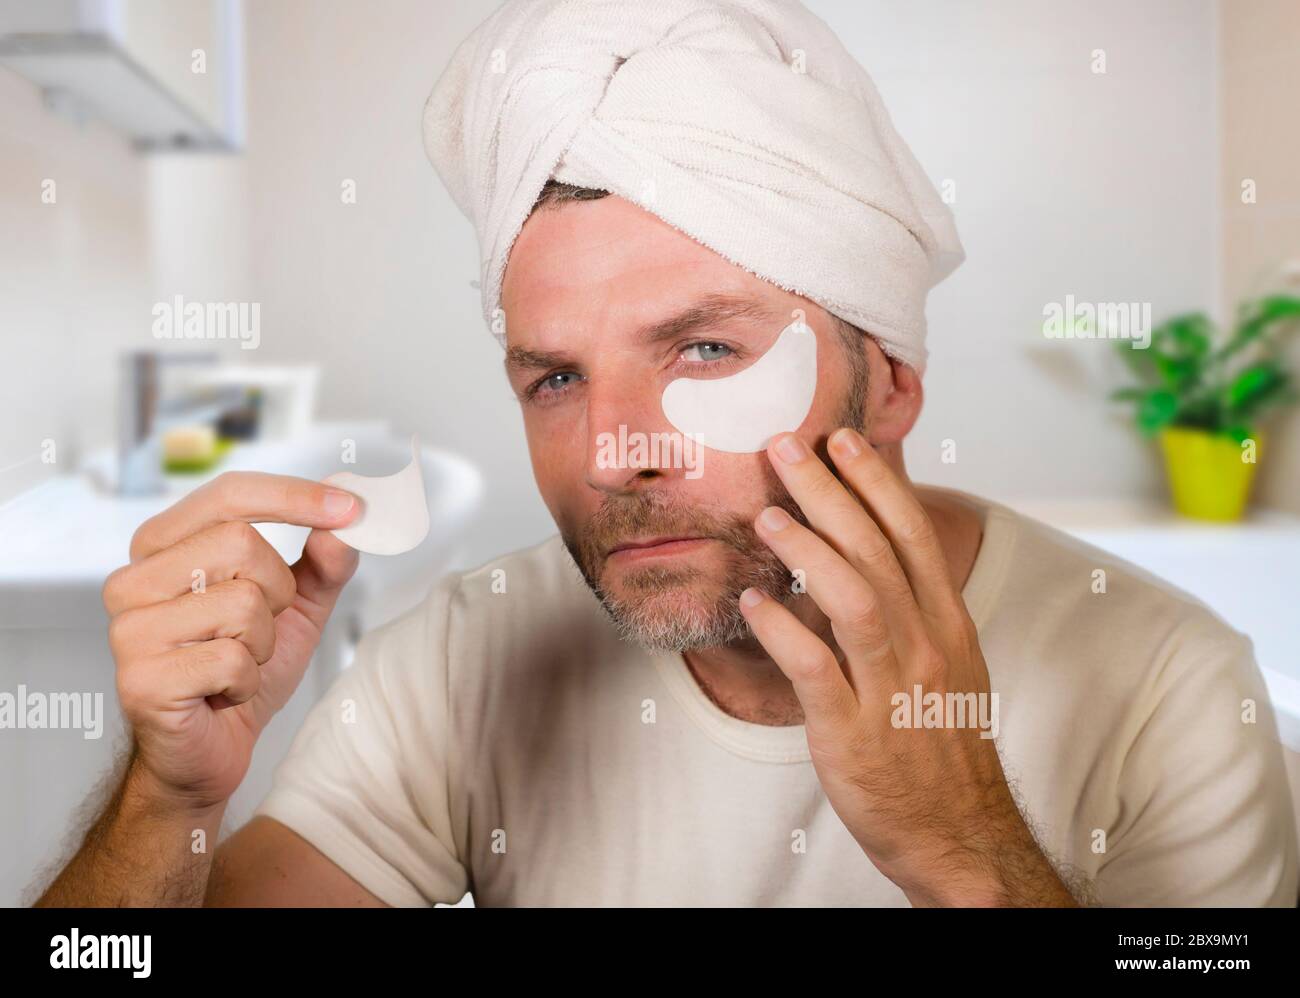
[844,443]
[774,518]
[337,502]
[791,449]
[750,598]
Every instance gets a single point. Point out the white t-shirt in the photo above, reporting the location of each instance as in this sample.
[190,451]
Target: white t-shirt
[509,744]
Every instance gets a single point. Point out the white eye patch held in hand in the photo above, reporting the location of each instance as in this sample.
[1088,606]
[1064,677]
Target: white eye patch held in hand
[741,413]
[394,515]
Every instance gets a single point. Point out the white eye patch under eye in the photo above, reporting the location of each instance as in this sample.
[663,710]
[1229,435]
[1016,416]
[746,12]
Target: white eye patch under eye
[394,516]
[740,414]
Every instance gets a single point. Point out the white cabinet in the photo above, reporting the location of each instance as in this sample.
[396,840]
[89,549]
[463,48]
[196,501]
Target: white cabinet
[167,73]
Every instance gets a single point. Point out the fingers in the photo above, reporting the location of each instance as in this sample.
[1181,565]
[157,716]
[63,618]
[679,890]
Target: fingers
[902,519]
[842,522]
[219,553]
[820,684]
[222,670]
[321,573]
[837,587]
[250,496]
[234,610]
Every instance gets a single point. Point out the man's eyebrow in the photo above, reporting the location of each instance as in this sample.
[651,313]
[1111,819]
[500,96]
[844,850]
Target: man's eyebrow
[708,310]
[521,359]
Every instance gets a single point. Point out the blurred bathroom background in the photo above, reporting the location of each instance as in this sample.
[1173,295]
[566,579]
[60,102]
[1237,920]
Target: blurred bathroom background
[266,158]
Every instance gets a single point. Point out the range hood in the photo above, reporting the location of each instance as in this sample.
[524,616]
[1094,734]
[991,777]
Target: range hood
[168,74]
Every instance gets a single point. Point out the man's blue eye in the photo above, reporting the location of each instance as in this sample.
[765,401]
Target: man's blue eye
[697,352]
[554,382]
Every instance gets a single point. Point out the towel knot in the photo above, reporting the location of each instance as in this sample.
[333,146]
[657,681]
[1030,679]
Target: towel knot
[742,123]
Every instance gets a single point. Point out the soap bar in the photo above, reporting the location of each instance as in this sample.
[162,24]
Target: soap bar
[190,449]
[394,515]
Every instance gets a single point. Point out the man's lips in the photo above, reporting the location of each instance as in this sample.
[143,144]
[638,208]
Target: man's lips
[651,547]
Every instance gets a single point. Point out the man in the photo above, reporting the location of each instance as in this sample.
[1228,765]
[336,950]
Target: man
[776,673]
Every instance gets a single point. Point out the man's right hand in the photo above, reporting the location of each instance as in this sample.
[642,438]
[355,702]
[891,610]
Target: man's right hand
[202,668]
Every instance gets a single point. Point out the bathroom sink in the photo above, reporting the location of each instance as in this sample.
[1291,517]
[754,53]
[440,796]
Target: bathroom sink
[60,540]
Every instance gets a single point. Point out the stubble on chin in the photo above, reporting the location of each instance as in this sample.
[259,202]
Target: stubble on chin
[680,607]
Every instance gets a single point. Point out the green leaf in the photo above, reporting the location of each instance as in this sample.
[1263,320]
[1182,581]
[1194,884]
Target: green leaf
[1258,318]
[1157,411]
[1189,335]
[1254,383]
[1177,372]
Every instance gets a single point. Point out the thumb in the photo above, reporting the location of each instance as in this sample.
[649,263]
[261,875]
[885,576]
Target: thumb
[323,570]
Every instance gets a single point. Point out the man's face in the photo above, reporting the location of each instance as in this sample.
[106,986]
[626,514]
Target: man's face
[605,305]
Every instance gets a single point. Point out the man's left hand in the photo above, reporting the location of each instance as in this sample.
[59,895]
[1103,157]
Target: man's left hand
[931,807]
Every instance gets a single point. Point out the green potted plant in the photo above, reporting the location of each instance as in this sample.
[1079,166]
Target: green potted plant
[1202,395]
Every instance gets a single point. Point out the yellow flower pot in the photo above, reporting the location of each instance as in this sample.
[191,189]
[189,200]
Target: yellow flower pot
[1210,474]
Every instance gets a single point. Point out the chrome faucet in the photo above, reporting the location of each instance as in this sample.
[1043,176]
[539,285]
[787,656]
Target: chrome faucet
[145,412]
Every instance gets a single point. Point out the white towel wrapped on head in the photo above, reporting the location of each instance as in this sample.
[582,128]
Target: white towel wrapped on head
[742,123]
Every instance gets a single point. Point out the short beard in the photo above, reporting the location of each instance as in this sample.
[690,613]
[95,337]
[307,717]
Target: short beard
[658,612]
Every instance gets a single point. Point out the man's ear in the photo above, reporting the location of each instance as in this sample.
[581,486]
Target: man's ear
[895,396]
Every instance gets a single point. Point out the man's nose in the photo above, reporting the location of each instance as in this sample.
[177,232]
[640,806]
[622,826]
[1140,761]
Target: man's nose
[629,442]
